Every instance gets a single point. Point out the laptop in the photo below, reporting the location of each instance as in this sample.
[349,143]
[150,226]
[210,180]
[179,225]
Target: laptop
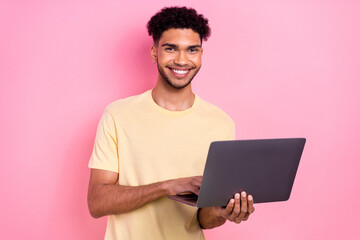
[264,168]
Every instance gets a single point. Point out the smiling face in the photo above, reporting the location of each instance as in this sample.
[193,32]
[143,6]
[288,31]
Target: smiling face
[178,56]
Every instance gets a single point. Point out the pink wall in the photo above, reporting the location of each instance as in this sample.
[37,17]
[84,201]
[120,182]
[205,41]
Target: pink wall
[279,68]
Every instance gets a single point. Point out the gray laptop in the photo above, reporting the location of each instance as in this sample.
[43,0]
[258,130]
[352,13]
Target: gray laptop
[264,168]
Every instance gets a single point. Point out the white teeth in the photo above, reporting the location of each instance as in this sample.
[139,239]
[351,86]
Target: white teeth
[180,71]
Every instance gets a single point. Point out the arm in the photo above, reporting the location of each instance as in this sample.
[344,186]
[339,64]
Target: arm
[236,211]
[105,197]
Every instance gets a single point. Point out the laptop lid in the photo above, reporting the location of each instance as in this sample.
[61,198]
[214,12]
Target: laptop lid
[264,168]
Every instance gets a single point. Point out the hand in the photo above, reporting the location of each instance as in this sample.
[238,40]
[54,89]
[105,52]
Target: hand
[238,209]
[182,185]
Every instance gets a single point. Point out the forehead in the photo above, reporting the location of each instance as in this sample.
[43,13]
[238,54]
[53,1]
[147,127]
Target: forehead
[180,36]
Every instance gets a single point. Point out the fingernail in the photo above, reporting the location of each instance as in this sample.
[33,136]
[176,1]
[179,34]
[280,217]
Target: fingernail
[243,194]
[237,196]
[232,201]
[250,198]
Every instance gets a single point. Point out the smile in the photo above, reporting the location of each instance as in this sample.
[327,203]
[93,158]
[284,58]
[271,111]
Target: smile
[179,73]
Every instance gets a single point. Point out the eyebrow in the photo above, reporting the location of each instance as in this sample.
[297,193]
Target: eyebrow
[175,46]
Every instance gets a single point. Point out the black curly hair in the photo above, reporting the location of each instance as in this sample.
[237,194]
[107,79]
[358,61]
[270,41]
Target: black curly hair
[178,17]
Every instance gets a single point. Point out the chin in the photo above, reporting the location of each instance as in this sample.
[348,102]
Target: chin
[178,86]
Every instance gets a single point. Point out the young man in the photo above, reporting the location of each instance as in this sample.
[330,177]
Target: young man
[155,144]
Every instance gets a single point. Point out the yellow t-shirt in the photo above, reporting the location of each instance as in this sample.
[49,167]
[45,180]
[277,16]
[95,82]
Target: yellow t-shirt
[146,143]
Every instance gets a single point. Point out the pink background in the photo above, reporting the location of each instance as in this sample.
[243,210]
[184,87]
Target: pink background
[280,68]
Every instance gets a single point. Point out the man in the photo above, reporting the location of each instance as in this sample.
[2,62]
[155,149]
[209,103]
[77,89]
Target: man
[155,144]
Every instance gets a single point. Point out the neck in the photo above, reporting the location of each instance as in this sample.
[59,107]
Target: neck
[171,98]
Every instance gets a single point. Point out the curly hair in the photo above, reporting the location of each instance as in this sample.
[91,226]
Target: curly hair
[178,17]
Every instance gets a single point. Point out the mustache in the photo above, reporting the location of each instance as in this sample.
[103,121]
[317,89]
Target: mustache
[181,66]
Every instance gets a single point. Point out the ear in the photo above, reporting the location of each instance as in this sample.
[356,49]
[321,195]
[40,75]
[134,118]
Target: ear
[153,52]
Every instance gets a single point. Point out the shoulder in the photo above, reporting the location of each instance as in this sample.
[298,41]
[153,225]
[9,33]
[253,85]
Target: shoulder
[210,110]
[125,104]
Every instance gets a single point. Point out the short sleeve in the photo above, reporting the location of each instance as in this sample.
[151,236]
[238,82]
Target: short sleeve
[231,133]
[105,153]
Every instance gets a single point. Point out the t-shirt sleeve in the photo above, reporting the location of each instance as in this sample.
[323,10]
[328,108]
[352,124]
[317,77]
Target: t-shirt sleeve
[231,133]
[105,153]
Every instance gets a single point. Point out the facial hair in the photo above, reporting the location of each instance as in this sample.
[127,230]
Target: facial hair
[167,80]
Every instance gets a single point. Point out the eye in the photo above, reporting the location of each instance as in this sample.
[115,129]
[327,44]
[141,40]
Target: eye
[193,50]
[170,49]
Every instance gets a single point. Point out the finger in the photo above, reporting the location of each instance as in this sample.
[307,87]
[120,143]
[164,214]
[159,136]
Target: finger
[196,190]
[237,221]
[244,206]
[246,217]
[251,208]
[229,208]
[196,181]
[236,211]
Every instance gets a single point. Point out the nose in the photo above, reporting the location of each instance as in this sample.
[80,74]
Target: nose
[181,58]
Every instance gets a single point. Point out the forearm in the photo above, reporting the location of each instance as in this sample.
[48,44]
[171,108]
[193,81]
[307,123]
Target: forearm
[208,219]
[108,199]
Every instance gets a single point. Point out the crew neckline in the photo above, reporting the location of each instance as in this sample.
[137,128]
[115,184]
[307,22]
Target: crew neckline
[169,112]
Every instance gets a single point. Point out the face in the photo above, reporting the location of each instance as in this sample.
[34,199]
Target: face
[178,56]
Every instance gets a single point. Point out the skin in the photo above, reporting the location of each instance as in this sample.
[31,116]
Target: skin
[106,197]
[179,49]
